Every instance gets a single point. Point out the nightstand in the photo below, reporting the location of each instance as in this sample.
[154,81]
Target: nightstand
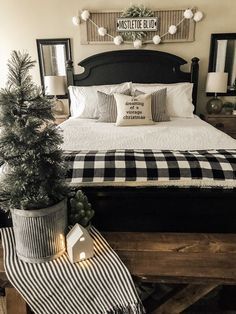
[223,122]
[59,119]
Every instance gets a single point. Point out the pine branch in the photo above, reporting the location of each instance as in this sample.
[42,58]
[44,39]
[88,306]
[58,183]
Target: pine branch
[19,67]
[29,143]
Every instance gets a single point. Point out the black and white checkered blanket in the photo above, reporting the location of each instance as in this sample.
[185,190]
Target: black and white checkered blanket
[100,285]
[152,167]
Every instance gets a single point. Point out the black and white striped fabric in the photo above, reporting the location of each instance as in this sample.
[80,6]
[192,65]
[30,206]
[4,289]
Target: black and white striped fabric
[158,103]
[153,166]
[107,106]
[99,285]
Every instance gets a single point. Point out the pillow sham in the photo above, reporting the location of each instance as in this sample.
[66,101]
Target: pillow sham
[179,97]
[84,99]
[158,105]
[107,106]
[133,110]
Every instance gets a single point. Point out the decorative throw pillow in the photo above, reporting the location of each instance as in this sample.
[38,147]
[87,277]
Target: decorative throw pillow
[133,110]
[158,105]
[107,106]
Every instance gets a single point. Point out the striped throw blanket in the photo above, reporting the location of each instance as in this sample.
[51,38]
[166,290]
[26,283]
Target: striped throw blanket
[100,285]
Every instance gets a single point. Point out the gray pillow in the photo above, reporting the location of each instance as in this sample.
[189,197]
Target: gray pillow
[107,106]
[158,104]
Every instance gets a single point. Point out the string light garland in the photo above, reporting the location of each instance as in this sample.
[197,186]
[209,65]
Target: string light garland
[138,12]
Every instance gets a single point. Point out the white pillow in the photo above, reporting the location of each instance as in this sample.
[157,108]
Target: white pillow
[84,99]
[179,97]
[133,110]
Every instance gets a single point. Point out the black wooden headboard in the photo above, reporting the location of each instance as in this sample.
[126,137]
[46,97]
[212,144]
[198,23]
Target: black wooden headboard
[139,66]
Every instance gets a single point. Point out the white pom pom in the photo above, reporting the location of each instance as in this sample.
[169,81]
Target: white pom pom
[156,39]
[188,14]
[118,40]
[76,20]
[172,29]
[85,15]
[198,16]
[102,31]
[137,43]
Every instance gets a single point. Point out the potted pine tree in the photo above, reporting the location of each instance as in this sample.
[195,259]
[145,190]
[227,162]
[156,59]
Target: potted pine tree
[32,185]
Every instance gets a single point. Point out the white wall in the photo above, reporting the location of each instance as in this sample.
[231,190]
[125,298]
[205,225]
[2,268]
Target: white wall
[22,21]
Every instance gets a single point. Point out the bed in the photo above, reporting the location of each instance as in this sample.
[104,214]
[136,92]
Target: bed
[143,204]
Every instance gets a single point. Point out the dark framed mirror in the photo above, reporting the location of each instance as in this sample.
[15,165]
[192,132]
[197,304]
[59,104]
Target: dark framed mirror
[223,58]
[52,57]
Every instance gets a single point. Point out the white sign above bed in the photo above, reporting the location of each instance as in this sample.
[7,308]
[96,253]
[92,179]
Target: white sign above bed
[136,24]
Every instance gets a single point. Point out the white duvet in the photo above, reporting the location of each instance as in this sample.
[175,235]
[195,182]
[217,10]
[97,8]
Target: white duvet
[178,134]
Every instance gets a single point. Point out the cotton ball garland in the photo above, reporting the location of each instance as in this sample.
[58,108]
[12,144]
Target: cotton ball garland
[172,29]
[76,20]
[198,16]
[156,39]
[188,14]
[138,43]
[85,15]
[118,40]
[102,31]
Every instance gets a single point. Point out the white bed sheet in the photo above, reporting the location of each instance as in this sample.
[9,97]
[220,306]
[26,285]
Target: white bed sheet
[177,134]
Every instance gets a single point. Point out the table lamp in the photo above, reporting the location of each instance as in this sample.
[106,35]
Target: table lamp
[54,86]
[216,83]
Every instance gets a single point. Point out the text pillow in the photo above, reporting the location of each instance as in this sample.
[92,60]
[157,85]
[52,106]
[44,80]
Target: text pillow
[158,105]
[133,110]
[107,106]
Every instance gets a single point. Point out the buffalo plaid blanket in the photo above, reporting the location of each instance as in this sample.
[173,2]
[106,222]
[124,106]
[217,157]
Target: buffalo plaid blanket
[152,167]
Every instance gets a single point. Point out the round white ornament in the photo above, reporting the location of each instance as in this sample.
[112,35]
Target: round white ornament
[188,14]
[198,16]
[172,29]
[102,31]
[85,15]
[137,43]
[118,40]
[156,39]
[75,20]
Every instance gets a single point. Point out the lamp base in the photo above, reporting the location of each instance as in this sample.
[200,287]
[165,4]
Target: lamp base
[57,107]
[214,105]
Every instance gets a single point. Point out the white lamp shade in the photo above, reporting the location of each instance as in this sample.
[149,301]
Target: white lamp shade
[54,85]
[216,82]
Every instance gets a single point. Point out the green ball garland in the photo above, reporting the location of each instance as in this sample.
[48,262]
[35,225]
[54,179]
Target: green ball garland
[80,210]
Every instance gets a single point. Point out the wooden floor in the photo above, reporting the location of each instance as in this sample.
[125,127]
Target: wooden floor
[199,263]
[203,309]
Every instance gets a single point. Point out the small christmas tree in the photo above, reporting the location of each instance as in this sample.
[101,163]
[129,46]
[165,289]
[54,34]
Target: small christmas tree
[29,142]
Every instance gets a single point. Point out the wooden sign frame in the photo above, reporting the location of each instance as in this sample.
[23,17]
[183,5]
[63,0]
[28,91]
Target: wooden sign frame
[185,33]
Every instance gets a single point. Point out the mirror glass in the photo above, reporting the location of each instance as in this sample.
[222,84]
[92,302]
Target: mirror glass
[226,59]
[52,55]
[223,58]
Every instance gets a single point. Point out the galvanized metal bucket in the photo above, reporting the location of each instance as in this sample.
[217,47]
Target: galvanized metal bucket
[40,233]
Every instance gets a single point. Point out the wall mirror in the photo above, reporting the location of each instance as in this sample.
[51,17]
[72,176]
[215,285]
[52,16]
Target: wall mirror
[223,57]
[52,56]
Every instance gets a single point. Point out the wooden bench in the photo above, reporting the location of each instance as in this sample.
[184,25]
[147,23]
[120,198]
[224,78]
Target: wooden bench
[199,261]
